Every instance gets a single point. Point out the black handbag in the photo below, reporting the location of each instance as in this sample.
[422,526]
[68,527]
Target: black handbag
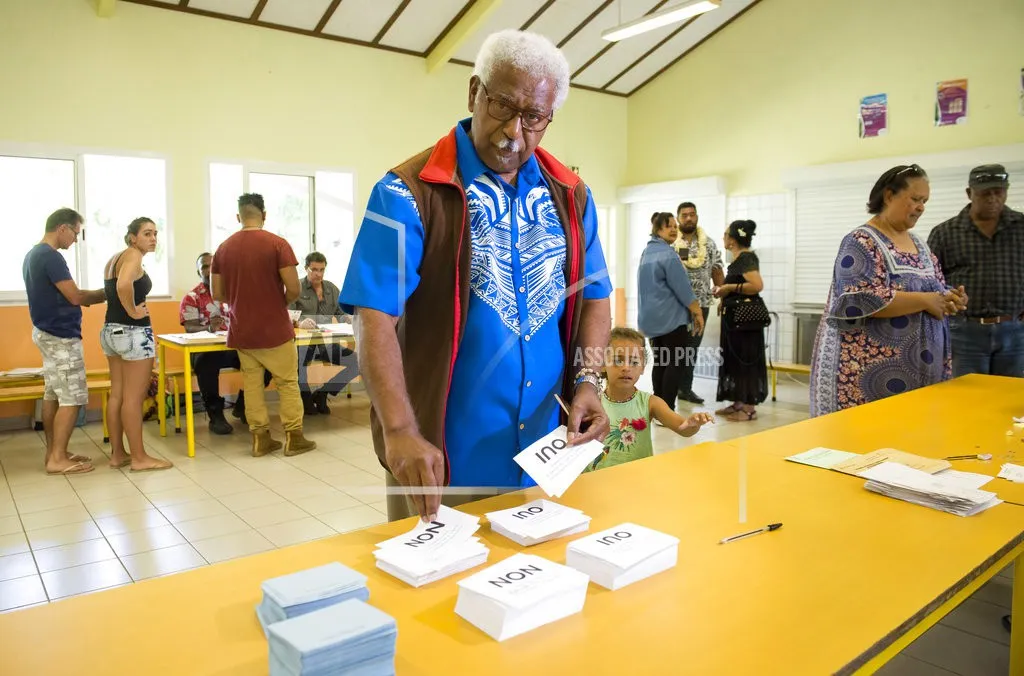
[745,313]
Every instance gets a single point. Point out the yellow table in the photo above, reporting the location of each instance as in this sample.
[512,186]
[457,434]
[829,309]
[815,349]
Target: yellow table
[849,580]
[190,346]
[969,415]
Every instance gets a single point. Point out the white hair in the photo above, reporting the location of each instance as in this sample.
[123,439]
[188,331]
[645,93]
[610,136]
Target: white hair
[528,52]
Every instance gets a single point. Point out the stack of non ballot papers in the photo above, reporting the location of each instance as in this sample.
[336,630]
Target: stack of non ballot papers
[945,493]
[538,521]
[348,638]
[309,590]
[521,593]
[623,555]
[433,551]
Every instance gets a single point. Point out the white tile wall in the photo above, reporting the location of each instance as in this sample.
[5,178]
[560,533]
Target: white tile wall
[772,246]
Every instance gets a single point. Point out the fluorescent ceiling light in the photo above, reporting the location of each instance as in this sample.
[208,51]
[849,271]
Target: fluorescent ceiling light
[659,19]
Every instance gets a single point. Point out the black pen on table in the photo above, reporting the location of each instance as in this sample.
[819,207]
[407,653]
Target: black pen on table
[767,529]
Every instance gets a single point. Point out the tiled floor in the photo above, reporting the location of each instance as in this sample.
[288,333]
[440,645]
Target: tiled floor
[62,536]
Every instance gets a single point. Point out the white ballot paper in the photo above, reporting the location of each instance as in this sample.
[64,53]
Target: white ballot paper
[341,328]
[1012,472]
[826,458]
[538,521]
[554,464]
[964,479]
[623,555]
[521,593]
[433,551]
[929,490]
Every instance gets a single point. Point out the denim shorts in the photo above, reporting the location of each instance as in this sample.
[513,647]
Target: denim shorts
[131,343]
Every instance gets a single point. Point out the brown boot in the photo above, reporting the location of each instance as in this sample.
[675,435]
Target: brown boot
[295,443]
[263,443]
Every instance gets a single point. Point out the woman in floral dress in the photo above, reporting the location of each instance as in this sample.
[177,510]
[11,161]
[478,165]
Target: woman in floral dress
[884,329]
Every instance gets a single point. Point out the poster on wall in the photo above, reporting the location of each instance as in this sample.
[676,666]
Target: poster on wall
[874,116]
[951,103]
[1022,91]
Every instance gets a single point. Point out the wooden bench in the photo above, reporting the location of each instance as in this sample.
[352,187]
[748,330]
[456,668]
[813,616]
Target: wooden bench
[784,367]
[35,392]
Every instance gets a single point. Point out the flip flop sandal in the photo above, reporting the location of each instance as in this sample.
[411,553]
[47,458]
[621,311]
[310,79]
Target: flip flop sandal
[742,416]
[726,411]
[78,458]
[152,469]
[77,468]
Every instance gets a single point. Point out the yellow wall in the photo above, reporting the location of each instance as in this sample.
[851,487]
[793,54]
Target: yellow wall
[780,88]
[194,88]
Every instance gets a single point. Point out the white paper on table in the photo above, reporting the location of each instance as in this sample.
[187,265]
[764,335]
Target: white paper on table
[196,336]
[536,519]
[427,540]
[625,545]
[553,464]
[524,580]
[23,372]
[1014,473]
[895,474]
[964,479]
[826,458]
[340,328]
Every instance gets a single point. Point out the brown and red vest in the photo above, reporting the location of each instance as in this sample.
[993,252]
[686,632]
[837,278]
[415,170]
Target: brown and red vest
[431,328]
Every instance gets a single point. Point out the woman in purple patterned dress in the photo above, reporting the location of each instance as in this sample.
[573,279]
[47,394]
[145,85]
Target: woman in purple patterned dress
[884,329]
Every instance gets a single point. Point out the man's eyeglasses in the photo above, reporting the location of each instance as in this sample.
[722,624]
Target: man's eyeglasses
[503,112]
[76,233]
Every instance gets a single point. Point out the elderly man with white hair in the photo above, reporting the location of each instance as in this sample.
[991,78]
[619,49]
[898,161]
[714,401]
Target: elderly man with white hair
[480,292]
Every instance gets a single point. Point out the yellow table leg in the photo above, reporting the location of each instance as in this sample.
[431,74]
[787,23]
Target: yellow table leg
[104,395]
[190,429]
[1017,626]
[177,406]
[161,388]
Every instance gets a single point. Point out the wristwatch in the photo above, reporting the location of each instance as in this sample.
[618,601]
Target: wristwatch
[588,376]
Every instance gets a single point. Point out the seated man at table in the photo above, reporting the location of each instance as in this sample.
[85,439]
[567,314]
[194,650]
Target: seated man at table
[199,312]
[318,303]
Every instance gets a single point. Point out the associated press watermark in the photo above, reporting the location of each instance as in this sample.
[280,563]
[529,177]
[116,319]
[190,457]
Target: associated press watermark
[696,357]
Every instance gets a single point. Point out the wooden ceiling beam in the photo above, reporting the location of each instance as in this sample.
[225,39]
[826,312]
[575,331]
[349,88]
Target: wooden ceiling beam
[465,24]
[391,21]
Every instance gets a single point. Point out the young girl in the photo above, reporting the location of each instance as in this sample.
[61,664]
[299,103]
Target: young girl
[630,410]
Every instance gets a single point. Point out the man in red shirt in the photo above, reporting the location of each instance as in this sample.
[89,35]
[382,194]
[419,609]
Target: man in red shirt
[199,312]
[254,272]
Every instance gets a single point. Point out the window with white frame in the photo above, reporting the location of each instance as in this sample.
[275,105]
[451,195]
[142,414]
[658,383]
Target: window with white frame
[108,190]
[310,208]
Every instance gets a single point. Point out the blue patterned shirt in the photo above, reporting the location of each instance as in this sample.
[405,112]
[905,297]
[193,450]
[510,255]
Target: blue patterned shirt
[511,359]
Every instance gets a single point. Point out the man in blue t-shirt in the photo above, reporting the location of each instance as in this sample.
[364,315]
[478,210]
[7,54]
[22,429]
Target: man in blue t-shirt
[462,373]
[54,303]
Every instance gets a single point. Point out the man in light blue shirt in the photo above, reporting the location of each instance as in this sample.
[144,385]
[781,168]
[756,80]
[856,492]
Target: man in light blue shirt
[667,307]
[480,291]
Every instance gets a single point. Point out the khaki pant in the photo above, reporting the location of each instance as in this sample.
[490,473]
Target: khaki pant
[282,362]
[401,506]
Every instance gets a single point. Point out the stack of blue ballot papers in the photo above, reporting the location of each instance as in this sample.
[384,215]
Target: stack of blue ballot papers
[348,639]
[309,590]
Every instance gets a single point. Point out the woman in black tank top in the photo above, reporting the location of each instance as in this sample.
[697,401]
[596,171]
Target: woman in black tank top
[127,341]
